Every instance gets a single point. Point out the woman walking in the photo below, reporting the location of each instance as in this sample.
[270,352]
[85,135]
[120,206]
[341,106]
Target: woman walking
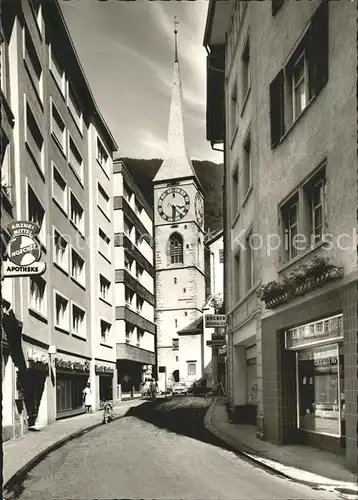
[87,397]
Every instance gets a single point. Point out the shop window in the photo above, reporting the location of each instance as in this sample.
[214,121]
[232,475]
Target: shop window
[320,390]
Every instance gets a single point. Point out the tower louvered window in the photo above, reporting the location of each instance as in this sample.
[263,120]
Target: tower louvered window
[176,249]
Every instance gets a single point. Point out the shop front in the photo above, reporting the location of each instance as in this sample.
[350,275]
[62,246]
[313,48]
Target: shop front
[71,379]
[318,350]
[105,377]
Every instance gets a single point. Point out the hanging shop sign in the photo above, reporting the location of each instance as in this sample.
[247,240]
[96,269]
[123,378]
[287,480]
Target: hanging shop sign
[215,320]
[315,333]
[103,369]
[23,251]
[72,365]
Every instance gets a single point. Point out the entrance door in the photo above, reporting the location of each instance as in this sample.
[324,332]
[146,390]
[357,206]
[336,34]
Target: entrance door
[176,375]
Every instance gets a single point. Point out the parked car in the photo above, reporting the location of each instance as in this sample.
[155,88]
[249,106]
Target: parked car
[180,389]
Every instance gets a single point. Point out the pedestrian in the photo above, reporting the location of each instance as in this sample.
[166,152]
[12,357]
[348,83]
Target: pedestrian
[87,397]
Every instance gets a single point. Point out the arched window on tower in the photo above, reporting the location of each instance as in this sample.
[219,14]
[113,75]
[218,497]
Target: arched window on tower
[176,249]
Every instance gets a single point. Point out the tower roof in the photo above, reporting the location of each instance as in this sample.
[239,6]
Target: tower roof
[177,163]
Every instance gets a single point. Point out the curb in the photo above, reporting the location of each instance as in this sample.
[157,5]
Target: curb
[254,457]
[19,475]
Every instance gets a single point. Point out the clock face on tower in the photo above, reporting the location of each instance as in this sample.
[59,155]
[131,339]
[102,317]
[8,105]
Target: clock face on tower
[199,209]
[173,204]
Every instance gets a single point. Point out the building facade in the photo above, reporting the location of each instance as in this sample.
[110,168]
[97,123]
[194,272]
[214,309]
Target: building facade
[179,255]
[135,331]
[62,170]
[285,137]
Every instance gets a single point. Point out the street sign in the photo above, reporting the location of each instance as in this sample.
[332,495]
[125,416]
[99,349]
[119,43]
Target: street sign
[215,320]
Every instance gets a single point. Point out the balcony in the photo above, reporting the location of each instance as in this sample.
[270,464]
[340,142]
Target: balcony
[131,317]
[121,240]
[134,353]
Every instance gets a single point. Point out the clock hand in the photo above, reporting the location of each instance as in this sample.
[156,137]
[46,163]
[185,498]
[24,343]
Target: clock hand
[173,212]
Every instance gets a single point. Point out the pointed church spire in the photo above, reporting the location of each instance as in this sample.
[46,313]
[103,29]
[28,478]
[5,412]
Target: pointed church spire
[177,163]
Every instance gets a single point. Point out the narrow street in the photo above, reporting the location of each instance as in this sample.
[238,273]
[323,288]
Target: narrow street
[158,450]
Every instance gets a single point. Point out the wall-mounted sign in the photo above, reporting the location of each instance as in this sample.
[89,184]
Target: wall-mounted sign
[103,369]
[215,320]
[73,366]
[318,332]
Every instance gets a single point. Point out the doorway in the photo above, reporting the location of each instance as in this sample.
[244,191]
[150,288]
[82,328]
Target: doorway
[176,375]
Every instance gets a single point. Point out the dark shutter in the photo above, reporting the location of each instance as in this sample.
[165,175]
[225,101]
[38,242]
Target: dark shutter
[276,5]
[215,95]
[318,49]
[277,108]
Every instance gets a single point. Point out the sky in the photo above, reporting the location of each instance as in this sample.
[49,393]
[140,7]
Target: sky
[127,52]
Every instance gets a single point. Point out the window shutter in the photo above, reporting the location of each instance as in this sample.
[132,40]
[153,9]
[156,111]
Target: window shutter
[318,49]
[215,105]
[277,108]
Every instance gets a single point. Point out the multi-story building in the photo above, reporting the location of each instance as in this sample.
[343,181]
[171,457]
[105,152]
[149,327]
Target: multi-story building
[135,332]
[11,355]
[290,120]
[62,166]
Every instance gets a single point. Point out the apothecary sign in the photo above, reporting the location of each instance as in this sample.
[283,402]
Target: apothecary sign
[318,332]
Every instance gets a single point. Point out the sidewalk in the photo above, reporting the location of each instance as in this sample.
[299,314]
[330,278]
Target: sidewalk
[22,453]
[298,462]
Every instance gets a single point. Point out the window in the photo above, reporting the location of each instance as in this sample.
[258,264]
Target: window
[58,128]
[128,296]
[74,107]
[59,189]
[128,261]
[138,208]
[36,10]
[175,281]
[221,256]
[186,313]
[128,226]
[249,257]
[4,69]
[77,268]
[176,358]
[175,344]
[103,200]
[303,77]
[245,64]
[62,312]
[102,156]
[140,303]
[33,138]
[235,192]
[276,5]
[176,249]
[104,244]
[237,280]
[105,288]
[105,330]
[176,323]
[247,174]
[77,213]
[78,321]
[233,110]
[32,63]
[57,71]
[191,368]
[36,213]
[184,290]
[38,295]
[129,332]
[140,335]
[61,250]
[289,214]
[314,194]
[127,193]
[75,159]
[139,271]
[5,163]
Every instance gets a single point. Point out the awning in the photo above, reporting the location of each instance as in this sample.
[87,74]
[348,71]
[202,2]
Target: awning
[194,327]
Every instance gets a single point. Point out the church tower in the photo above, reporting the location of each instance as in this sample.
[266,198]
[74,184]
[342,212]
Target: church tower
[179,253]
